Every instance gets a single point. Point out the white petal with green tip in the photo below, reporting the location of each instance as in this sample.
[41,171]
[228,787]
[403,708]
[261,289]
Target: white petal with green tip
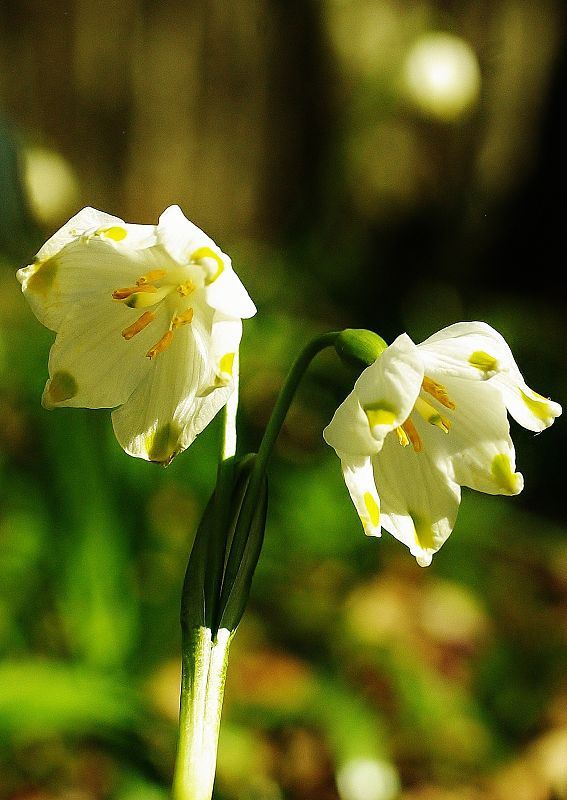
[419,501]
[164,414]
[387,389]
[359,479]
[348,432]
[90,347]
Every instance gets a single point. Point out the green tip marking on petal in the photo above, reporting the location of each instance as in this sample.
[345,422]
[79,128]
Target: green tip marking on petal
[380,414]
[538,406]
[424,536]
[42,279]
[502,473]
[115,232]
[372,508]
[162,443]
[226,363]
[62,386]
[207,252]
[483,361]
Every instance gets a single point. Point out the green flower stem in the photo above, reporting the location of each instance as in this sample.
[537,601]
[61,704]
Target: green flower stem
[216,553]
[204,652]
[205,661]
[207,624]
[256,484]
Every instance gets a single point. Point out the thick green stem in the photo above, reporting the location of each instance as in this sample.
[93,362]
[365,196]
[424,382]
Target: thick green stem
[209,621]
[205,661]
[216,550]
[204,648]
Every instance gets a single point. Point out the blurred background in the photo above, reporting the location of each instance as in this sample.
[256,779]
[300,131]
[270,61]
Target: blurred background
[391,164]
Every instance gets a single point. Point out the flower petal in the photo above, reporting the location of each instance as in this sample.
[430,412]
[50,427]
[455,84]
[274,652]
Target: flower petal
[477,450]
[348,432]
[475,350]
[530,409]
[84,268]
[181,237]
[228,295]
[225,340]
[359,478]
[185,242]
[387,390]
[91,364]
[471,350]
[88,219]
[419,501]
[170,406]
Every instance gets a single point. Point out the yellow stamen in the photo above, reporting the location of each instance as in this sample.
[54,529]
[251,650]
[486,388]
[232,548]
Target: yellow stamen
[127,291]
[139,325]
[183,318]
[160,346]
[411,432]
[431,415]
[186,288]
[438,391]
[402,437]
[150,277]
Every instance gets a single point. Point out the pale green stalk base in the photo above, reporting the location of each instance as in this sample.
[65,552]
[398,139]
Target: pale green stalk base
[203,679]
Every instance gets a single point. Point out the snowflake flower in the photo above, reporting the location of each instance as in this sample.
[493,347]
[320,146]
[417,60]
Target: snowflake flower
[148,321]
[424,420]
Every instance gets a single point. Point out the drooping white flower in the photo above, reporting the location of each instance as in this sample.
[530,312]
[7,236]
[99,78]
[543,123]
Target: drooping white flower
[424,420]
[148,321]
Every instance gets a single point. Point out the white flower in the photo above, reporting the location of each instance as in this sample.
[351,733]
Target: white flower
[148,318]
[424,420]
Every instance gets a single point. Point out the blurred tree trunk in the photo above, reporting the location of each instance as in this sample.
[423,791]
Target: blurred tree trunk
[211,104]
[228,102]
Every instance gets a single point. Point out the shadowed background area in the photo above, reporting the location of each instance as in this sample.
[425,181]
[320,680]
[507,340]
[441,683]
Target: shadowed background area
[391,164]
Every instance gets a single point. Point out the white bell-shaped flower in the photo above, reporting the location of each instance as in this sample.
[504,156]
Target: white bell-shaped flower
[148,321]
[424,420]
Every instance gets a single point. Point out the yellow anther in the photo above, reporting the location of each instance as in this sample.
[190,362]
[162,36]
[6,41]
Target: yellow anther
[183,318]
[402,436]
[413,436]
[438,391]
[160,346]
[186,288]
[431,415]
[127,291]
[150,277]
[139,325]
